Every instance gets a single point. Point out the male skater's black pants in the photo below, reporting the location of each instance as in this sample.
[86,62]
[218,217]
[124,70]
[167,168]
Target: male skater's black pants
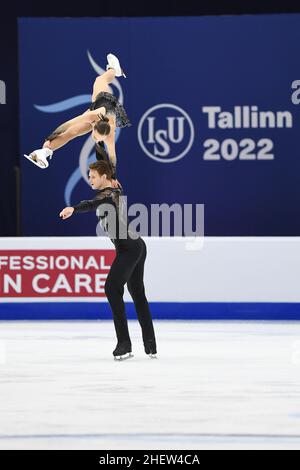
[128,267]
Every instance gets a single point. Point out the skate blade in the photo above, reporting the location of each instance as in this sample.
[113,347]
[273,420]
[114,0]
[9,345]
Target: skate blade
[124,357]
[152,356]
[38,163]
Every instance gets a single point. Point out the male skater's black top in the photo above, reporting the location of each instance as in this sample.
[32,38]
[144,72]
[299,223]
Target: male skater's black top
[111,213]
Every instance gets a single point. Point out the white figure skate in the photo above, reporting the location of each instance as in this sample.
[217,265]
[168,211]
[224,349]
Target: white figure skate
[39,157]
[113,63]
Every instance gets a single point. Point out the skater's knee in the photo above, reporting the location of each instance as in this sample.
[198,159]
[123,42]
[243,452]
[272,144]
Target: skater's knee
[108,288]
[137,293]
[111,288]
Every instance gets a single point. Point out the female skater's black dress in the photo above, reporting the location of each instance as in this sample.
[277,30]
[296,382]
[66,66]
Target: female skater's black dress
[127,267]
[112,106]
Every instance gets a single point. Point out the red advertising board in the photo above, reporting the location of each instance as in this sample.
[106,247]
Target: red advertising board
[54,273]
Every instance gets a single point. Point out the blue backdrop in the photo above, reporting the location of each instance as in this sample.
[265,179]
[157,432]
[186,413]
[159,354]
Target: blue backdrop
[176,150]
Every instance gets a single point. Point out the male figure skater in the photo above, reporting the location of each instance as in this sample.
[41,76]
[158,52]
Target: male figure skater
[128,265]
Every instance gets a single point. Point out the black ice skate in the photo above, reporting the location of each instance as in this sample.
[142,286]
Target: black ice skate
[150,348]
[122,351]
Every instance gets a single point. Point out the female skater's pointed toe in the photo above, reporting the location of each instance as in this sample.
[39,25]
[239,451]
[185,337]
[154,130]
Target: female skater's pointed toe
[39,157]
[113,63]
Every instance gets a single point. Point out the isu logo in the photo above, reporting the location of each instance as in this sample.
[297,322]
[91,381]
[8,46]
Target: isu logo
[166,133]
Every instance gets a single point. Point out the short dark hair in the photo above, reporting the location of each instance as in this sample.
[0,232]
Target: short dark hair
[102,168]
[102,126]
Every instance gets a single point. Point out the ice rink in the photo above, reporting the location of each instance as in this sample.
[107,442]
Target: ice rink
[214,385]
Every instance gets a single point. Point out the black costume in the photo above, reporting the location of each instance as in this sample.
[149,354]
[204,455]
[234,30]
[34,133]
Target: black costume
[112,106]
[127,267]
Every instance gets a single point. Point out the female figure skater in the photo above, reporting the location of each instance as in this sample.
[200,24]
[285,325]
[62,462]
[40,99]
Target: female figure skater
[128,265]
[103,116]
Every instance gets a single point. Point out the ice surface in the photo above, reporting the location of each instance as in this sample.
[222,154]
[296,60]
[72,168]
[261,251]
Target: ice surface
[215,385]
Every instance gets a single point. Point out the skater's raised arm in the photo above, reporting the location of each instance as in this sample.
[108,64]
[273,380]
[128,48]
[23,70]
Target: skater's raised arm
[111,149]
[104,133]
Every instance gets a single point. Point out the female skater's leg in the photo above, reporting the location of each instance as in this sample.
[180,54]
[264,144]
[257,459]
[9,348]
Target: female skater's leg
[55,141]
[63,128]
[102,81]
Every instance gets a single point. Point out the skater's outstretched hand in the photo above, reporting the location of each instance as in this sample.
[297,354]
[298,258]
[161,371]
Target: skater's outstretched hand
[66,212]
